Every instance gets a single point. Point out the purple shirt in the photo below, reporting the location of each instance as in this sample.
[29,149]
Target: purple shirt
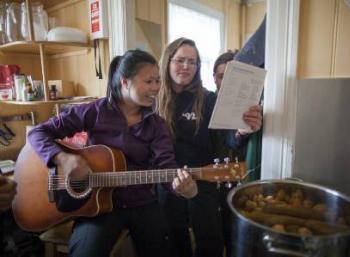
[146,145]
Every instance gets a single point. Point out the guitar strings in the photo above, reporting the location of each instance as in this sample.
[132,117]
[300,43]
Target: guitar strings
[59,181]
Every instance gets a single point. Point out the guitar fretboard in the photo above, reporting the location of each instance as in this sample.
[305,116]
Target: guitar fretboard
[124,178]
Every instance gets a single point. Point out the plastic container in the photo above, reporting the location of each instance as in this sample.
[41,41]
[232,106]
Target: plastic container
[20,83]
[67,34]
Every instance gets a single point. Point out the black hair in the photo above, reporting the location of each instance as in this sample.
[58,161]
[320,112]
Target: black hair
[126,66]
[224,58]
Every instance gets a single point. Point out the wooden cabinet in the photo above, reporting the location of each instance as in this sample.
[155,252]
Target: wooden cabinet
[62,61]
[42,48]
[151,24]
[324,39]
[150,10]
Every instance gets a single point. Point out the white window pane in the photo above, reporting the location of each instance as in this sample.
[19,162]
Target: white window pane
[204,30]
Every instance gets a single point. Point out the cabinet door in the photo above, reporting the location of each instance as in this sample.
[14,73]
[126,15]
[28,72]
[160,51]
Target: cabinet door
[155,11]
[149,10]
[317,23]
[142,9]
[342,50]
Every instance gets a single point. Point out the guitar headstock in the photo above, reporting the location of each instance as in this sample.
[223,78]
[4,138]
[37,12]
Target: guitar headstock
[225,172]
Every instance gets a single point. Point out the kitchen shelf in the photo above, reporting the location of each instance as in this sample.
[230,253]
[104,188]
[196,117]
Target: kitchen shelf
[44,49]
[50,47]
[77,99]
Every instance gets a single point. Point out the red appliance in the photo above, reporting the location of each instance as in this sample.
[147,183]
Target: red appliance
[7,79]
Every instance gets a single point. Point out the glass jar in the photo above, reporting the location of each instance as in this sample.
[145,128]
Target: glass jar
[24,22]
[13,22]
[40,21]
[3,36]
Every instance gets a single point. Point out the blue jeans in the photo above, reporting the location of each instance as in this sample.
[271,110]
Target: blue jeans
[202,213]
[95,237]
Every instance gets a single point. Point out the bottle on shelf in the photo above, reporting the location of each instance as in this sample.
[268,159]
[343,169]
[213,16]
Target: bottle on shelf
[30,93]
[53,92]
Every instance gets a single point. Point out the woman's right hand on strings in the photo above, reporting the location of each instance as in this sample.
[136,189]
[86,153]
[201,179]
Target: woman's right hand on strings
[72,165]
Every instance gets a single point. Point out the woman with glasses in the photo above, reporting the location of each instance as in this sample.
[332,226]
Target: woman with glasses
[186,107]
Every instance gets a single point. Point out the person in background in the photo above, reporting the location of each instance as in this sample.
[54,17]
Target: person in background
[7,193]
[222,150]
[220,66]
[124,120]
[186,107]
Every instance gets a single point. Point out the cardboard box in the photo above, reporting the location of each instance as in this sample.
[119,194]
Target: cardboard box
[65,88]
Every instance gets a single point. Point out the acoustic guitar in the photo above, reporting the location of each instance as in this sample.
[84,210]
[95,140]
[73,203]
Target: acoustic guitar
[41,191]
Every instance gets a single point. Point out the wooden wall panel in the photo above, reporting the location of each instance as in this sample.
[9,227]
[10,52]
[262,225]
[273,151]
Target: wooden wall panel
[342,48]
[29,63]
[254,15]
[78,67]
[317,23]
[232,25]
[43,111]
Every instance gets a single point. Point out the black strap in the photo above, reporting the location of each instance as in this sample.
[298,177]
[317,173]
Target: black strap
[97,52]
[9,130]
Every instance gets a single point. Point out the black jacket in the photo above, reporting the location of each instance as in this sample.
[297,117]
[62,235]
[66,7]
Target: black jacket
[198,148]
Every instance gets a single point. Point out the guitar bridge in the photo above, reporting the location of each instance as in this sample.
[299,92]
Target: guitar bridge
[51,184]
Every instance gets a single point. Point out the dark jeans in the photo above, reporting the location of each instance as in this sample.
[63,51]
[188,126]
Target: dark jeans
[227,219]
[95,237]
[202,213]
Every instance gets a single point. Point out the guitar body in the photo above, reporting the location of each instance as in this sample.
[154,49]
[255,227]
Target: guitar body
[31,207]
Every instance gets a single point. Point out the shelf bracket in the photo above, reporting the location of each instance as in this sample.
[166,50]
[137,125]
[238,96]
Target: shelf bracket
[19,117]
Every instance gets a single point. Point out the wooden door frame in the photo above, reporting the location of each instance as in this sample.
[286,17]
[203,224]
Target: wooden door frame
[121,26]
[280,93]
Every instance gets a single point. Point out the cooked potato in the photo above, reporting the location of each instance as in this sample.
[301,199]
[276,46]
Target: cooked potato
[295,202]
[250,205]
[321,207]
[260,197]
[261,203]
[279,228]
[307,203]
[281,195]
[241,201]
[292,228]
[298,194]
[304,231]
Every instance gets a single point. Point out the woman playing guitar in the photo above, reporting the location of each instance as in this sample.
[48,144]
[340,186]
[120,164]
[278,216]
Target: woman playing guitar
[124,120]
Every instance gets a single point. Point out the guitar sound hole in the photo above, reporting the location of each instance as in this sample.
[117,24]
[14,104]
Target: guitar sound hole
[79,186]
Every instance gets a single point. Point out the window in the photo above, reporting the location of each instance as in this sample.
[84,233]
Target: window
[201,24]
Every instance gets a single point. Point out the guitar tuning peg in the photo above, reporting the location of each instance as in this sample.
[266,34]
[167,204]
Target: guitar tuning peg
[228,185]
[226,160]
[218,185]
[216,162]
[236,165]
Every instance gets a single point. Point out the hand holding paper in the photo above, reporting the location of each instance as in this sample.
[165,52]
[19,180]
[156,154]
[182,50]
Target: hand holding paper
[240,90]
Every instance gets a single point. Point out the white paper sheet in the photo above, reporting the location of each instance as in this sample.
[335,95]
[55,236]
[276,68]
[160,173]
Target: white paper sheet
[240,89]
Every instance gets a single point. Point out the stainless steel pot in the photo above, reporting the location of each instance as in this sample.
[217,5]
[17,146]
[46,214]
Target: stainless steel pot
[254,239]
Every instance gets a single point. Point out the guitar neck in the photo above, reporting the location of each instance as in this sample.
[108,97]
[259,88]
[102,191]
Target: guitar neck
[125,178]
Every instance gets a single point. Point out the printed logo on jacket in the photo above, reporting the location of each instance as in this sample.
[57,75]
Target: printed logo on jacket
[189,115]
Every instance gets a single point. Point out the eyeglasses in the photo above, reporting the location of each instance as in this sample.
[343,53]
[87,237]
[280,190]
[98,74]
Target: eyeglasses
[183,61]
